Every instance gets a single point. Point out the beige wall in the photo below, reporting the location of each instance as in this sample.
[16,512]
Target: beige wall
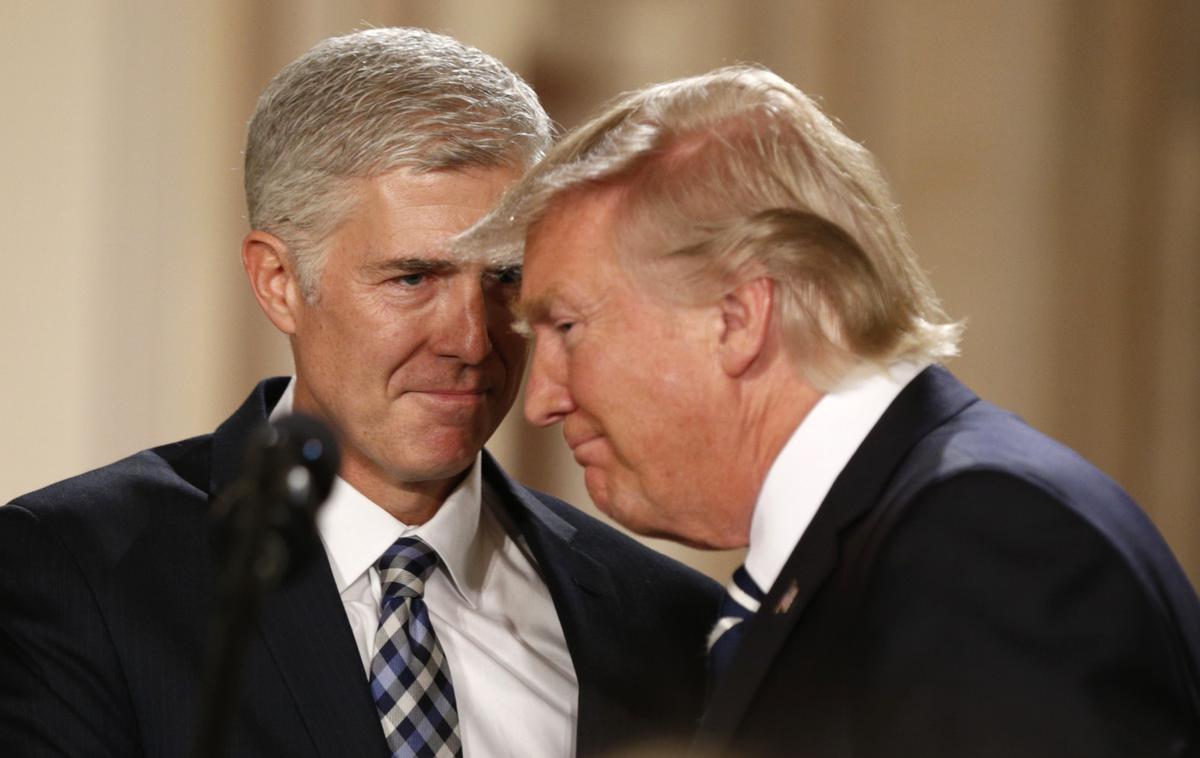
[1047,155]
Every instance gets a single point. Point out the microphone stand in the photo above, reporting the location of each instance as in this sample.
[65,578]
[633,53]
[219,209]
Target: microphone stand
[266,527]
[255,563]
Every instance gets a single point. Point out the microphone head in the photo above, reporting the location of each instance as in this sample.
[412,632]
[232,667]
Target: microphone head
[297,458]
[289,469]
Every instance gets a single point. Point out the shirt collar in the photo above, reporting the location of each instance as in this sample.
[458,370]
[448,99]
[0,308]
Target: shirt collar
[811,460]
[356,531]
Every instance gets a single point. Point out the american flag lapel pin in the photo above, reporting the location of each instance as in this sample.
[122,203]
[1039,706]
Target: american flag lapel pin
[788,597]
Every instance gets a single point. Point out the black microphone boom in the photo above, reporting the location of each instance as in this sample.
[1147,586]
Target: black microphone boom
[264,531]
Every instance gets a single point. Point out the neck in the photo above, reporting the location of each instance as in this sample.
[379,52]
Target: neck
[771,413]
[756,420]
[412,503]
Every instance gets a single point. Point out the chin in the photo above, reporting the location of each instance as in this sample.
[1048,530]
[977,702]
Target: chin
[635,514]
[433,465]
[443,469]
[642,516]
[683,537]
[627,517]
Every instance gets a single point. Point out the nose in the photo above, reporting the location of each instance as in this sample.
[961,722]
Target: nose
[464,328]
[548,398]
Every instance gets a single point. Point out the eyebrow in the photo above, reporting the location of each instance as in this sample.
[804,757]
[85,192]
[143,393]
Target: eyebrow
[426,266]
[410,266]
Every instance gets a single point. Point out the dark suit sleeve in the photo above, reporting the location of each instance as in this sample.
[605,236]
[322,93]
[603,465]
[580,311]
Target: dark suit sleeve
[61,689]
[997,622]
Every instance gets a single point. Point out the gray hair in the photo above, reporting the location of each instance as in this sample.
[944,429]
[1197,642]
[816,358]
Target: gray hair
[364,104]
[737,174]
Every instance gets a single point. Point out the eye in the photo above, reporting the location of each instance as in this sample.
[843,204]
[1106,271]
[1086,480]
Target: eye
[411,280]
[563,327]
[510,276]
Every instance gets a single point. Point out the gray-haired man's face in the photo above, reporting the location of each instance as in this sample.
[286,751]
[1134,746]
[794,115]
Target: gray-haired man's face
[406,348]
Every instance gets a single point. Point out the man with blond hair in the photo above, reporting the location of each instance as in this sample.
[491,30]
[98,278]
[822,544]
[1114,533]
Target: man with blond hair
[743,351]
[452,611]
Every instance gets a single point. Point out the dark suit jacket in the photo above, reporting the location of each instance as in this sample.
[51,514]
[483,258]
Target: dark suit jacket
[106,582]
[968,587]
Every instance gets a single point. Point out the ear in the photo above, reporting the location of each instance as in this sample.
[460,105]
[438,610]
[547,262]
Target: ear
[272,278]
[746,314]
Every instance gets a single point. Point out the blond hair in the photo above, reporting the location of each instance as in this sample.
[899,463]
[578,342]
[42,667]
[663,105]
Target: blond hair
[737,174]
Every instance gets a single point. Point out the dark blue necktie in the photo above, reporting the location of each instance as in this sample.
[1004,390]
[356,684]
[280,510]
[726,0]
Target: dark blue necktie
[742,598]
[410,679]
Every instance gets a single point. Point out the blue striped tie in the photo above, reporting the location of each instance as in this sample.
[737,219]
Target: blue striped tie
[742,598]
[410,679]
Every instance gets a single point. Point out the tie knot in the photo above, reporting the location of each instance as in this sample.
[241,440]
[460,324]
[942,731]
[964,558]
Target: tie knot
[743,595]
[404,567]
[741,601]
[742,598]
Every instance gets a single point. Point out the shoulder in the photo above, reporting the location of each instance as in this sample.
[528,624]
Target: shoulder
[995,515]
[630,561]
[1003,533]
[179,462]
[185,468]
[988,480]
[101,512]
[991,587]
[156,499]
[88,567]
[631,564]
[988,468]
[996,525]
[177,465]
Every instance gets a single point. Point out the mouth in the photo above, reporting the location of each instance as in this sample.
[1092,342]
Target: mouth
[453,396]
[587,450]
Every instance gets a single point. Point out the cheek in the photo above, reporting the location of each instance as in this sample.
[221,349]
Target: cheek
[648,495]
[662,381]
[668,419]
[325,353]
[358,336]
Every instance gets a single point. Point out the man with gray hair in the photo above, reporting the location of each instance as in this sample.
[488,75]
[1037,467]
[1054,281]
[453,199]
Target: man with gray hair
[452,611]
[742,350]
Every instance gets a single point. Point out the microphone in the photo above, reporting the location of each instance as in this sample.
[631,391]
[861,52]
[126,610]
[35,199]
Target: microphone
[264,530]
[294,459]
[267,516]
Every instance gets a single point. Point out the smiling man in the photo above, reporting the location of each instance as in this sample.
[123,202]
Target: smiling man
[407,350]
[743,351]
[454,612]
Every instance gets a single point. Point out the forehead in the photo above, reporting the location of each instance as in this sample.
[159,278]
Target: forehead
[577,227]
[419,212]
[571,252]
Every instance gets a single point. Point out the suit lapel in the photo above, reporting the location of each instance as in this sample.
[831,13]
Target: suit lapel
[304,626]
[928,401]
[585,600]
[303,623]
[229,441]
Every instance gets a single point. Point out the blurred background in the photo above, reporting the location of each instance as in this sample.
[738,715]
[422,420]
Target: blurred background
[1046,154]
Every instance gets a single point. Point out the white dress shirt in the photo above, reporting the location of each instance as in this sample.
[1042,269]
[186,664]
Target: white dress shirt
[514,682]
[809,463]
